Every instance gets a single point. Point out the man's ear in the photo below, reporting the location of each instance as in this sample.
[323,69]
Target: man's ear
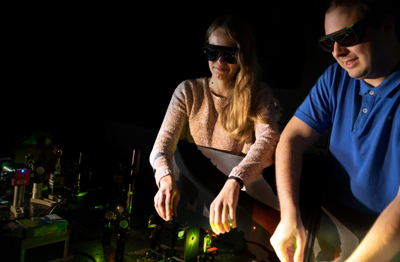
[389,25]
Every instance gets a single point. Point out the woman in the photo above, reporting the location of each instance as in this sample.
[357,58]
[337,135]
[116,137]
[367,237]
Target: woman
[229,111]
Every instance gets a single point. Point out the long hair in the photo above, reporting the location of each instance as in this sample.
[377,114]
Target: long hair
[240,113]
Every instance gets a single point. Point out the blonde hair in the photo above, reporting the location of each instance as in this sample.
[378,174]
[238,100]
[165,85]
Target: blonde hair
[240,113]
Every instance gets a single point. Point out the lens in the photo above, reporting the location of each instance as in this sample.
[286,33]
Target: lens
[212,54]
[230,58]
[346,38]
[326,43]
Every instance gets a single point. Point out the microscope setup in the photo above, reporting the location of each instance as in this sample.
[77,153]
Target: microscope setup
[20,176]
[168,241]
[28,175]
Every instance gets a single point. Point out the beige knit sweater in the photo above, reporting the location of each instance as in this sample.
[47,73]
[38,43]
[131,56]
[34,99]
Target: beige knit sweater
[193,115]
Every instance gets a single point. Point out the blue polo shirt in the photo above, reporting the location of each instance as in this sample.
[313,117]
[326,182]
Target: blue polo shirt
[365,139]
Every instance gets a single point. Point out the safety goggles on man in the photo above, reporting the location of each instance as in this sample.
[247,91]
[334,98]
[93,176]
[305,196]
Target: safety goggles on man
[346,37]
[214,52]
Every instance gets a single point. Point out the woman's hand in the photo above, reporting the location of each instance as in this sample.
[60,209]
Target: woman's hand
[223,205]
[167,197]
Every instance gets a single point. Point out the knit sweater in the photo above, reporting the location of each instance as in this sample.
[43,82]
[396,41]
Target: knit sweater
[193,115]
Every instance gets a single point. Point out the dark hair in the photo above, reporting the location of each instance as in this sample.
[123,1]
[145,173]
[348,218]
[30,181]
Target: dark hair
[374,11]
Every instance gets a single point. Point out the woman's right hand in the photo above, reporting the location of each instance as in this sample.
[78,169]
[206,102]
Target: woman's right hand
[167,197]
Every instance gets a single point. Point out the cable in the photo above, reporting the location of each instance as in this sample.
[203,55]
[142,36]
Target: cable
[82,253]
[52,208]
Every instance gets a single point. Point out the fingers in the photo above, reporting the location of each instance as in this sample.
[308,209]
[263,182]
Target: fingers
[213,228]
[215,217]
[223,206]
[175,200]
[284,250]
[224,219]
[289,244]
[159,204]
[166,203]
[167,206]
[232,213]
[299,253]
[284,253]
[219,217]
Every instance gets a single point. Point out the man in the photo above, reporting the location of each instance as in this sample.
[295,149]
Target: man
[358,97]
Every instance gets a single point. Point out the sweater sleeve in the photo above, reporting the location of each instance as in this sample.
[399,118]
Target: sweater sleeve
[262,152]
[169,133]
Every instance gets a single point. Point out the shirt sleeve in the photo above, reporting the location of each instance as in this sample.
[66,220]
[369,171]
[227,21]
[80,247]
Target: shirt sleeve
[162,153]
[316,110]
[262,151]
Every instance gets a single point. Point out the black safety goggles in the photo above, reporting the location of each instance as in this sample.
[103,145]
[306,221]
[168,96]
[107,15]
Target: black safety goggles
[346,37]
[214,52]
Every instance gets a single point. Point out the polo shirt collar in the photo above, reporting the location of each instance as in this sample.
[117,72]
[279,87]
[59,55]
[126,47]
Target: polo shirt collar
[386,87]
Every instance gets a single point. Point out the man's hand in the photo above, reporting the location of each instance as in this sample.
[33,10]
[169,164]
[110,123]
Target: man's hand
[223,205]
[290,234]
[167,197]
[289,241]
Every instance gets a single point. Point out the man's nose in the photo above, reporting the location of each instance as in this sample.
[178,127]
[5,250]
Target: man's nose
[339,50]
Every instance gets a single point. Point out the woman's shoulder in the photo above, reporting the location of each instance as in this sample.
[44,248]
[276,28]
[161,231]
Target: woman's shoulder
[193,83]
[192,86]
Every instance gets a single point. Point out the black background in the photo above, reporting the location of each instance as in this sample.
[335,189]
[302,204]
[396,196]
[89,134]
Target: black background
[98,77]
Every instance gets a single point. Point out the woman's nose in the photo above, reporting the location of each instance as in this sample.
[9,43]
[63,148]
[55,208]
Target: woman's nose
[221,59]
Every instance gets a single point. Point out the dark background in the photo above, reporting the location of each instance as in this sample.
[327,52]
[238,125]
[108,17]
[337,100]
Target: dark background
[97,78]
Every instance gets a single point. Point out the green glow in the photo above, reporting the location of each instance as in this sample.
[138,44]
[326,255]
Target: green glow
[79,182]
[191,242]
[81,194]
[123,223]
[181,234]
[207,243]
[172,201]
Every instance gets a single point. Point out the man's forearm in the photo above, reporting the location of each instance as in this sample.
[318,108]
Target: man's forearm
[295,139]
[290,233]
[382,242]
[288,169]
